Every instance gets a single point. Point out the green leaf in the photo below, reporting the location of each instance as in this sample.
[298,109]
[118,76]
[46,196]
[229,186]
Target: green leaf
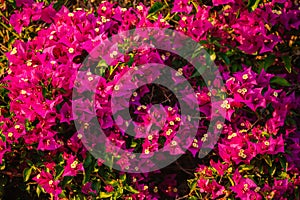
[123,177]
[61,159]
[224,58]
[131,60]
[105,195]
[89,167]
[192,198]
[66,180]
[29,162]
[62,195]
[266,63]
[279,81]
[268,160]
[87,175]
[230,179]
[100,71]
[252,5]
[38,190]
[245,167]
[133,144]
[297,193]
[59,171]
[2,137]
[235,67]
[192,184]
[87,162]
[176,17]
[287,63]
[283,175]
[283,163]
[119,192]
[57,6]
[155,8]
[131,189]
[273,171]
[112,182]
[27,173]
[197,52]
[213,56]
[27,188]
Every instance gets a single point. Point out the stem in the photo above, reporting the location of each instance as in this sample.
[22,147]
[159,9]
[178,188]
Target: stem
[166,3]
[8,28]
[187,172]
[3,47]
[183,197]
[195,6]
[231,181]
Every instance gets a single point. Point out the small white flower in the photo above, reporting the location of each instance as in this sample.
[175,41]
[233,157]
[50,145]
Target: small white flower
[140,8]
[71,50]
[117,87]
[14,51]
[245,76]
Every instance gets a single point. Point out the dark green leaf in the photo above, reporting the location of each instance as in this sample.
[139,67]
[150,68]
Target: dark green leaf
[235,67]
[2,137]
[268,160]
[57,6]
[266,63]
[67,180]
[155,8]
[59,171]
[224,58]
[287,63]
[279,81]
[87,162]
[123,177]
[131,60]
[283,163]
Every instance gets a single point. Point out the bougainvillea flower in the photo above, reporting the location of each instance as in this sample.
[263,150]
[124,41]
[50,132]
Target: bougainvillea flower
[20,3]
[87,189]
[66,113]
[3,150]
[40,81]
[182,6]
[221,168]
[109,188]
[221,2]
[45,179]
[244,187]
[18,20]
[72,167]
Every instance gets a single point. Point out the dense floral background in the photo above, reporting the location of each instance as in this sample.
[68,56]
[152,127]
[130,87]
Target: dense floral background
[255,45]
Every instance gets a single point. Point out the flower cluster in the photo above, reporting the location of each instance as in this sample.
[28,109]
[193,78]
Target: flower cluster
[257,156]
